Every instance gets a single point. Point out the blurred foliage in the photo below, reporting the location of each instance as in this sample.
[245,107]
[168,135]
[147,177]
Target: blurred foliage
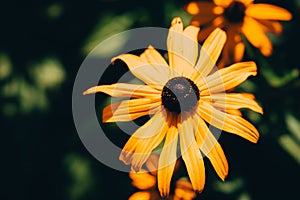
[42,45]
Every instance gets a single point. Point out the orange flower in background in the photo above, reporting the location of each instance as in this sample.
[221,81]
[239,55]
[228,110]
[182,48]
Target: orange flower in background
[146,182]
[239,17]
[182,97]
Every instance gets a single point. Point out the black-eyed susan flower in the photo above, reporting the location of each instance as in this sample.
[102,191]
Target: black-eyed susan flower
[239,17]
[182,97]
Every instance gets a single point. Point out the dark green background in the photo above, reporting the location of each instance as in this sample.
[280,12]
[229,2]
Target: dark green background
[42,155]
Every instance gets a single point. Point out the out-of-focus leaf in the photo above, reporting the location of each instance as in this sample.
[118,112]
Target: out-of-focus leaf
[48,74]
[5,66]
[290,146]
[54,11]
[80,171]
[229,187]
[293,125]
[279,81]
[107,27]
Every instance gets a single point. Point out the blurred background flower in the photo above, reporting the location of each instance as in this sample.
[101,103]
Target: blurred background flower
[42,45]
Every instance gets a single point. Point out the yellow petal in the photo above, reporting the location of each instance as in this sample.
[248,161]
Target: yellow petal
[210,147]
[233,101]
[230,123]
[182,48]
[153,75]
[141,196]
[228,78]
[128,110]
[239,50]
[268,11]
[254,32]
[121,90]
[223,3]
[210,51]
[140,145]
[184,190]
[142,180]
[191,155]
[167,159]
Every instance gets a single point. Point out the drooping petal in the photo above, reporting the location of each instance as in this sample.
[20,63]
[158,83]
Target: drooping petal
[271,26]
[143,195]
[218,22]
[152,56]
[140,145]
[228,78]
[268,11]
[211,51]
[153,75]
[121,90]
[184,190]
[128,110]
[182,47]
[191,154]
[223,3]
[227,122]
[254,32]
[210,147]
[232,101]
[142,180]
[167,159]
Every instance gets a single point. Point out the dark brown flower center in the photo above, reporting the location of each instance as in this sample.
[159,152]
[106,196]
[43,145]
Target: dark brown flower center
[235,12]
[180,94]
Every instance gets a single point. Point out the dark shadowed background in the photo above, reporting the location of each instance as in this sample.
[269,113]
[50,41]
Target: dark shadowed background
[42,45]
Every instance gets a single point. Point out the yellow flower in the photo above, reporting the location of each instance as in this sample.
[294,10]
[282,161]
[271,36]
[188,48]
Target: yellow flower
[239,17]
[146,182]
[182,96]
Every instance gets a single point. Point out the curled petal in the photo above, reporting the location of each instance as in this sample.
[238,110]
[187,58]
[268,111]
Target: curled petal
[167,159]
[227,122]
[128,110]
[121,90]
[228,78]
[191,155]
[210,147]
[140,145]
[232,101]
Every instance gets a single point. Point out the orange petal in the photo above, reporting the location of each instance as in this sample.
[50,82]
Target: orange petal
[140,145]
[184,190]
[228,78]
[254,32]
[210,52]
[142,180]
[141,196]
[233,101]
[121,90]
[218,22]
[210,147]
[167,159]
[230,123]
[271,26]
[203,8]
[223,3]
[191,155]
[268,11]
[246,2]
[128,110]
[154,75]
